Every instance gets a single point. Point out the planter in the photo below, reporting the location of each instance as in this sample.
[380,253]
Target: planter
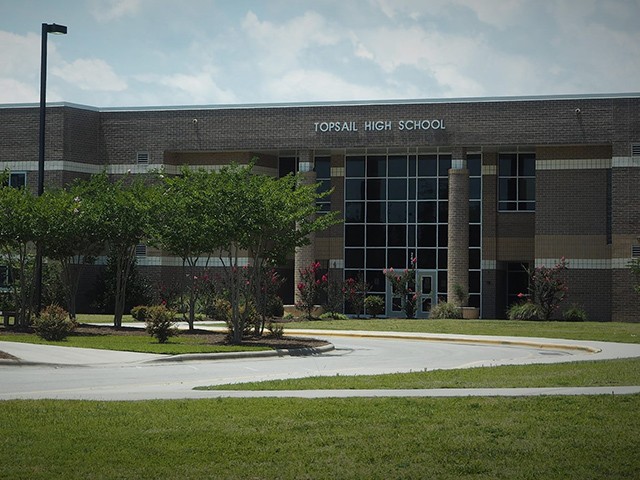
[470,313]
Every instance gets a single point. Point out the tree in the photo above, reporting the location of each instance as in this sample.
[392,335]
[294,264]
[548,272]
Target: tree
[184,221]
[123,211]
[548,288]
[72,234]
[310,288]
[355,290]
[19,235]
[267,218]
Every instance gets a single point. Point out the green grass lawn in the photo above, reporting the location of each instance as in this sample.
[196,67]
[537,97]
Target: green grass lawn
[603,331]
[403,438]
[136,343]
[574,374]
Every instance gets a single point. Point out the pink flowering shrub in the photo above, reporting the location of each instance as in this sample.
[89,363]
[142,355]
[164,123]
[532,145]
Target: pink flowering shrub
[548,288]
[404,286]
[355,291]
[309,288]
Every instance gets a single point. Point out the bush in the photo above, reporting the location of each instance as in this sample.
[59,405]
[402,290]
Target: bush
[276,330]
[575,314]
[160,323]
[54,324]
[374,305]
[333,316]
[221,309]
[444,310]
[275,307]
[523,311]
[139,313]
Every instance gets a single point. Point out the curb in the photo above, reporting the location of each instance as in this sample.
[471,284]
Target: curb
[447,339]
[236,355]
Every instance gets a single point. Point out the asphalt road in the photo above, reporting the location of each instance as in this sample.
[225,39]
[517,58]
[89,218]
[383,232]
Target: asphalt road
[64,373]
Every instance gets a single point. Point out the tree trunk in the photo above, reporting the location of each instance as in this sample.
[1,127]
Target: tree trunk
[124,260]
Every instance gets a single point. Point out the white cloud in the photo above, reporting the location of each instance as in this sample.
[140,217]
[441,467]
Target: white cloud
[90,74]
[281,46]
[497,13]
[107,10]
[14,91]
[315,85]
[198,88]
[19,54]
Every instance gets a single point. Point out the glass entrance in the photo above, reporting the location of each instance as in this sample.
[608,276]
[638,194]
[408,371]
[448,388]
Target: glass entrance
[427,293]
[423,294]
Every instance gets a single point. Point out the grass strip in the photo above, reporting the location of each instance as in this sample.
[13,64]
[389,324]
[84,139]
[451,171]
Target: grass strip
[480,438]
[574,374]
[136,343]
[599,331]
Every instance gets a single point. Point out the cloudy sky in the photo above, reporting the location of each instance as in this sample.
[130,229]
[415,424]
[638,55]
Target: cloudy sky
[184,52]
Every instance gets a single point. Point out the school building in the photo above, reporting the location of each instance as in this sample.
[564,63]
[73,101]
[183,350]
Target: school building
[475,189]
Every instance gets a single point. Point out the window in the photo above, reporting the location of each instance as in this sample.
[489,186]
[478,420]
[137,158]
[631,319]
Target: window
[17,179]
[395,207]
[286,166]
[516,181]
[322,167]
[141,250]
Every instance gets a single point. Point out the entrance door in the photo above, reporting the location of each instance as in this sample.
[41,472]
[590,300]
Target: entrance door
[427,293]
[424,290]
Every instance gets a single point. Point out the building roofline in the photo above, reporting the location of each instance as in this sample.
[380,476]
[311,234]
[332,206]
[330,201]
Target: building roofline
[505,99]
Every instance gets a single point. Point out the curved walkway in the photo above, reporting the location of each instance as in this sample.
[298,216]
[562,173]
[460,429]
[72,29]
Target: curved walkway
[71,373]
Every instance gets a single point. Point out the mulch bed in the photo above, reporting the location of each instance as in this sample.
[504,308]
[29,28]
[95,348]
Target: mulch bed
[211,338]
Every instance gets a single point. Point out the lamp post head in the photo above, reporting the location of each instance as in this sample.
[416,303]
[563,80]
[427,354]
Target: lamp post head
[55,28]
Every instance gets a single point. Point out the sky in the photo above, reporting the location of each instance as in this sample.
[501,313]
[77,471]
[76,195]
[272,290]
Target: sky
[210,52]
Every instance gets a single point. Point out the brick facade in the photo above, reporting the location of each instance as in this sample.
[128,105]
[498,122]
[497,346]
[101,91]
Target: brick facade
[586,179]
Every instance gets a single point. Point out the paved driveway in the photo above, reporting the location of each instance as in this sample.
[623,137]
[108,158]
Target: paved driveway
[64,373]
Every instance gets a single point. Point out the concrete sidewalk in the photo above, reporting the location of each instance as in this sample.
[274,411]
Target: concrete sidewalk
[57,355]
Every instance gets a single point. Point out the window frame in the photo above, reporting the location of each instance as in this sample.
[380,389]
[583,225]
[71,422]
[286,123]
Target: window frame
[514,182]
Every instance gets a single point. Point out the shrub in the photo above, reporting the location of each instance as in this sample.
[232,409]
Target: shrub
[404,286]
[54,324]
[523,311]
[276,330]
[139,313]
[160,323]
[221,309]
[355,291]
[575,313]
[333,316]
[460,295]
[443,310]
[548,288]
[275,307]
[309,288]
[374,305]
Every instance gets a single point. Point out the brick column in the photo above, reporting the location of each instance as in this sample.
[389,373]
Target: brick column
[458,241]
[307,254]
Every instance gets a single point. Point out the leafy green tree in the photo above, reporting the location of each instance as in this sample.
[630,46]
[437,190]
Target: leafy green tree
[122,208]
[19,235]
[184,221]
[138,288]
[72,234]
[265,218]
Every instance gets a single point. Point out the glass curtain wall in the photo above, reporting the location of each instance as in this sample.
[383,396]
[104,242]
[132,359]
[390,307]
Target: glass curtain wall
[396,208]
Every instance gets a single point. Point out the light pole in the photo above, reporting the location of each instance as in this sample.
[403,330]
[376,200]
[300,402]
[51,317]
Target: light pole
[55,29]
